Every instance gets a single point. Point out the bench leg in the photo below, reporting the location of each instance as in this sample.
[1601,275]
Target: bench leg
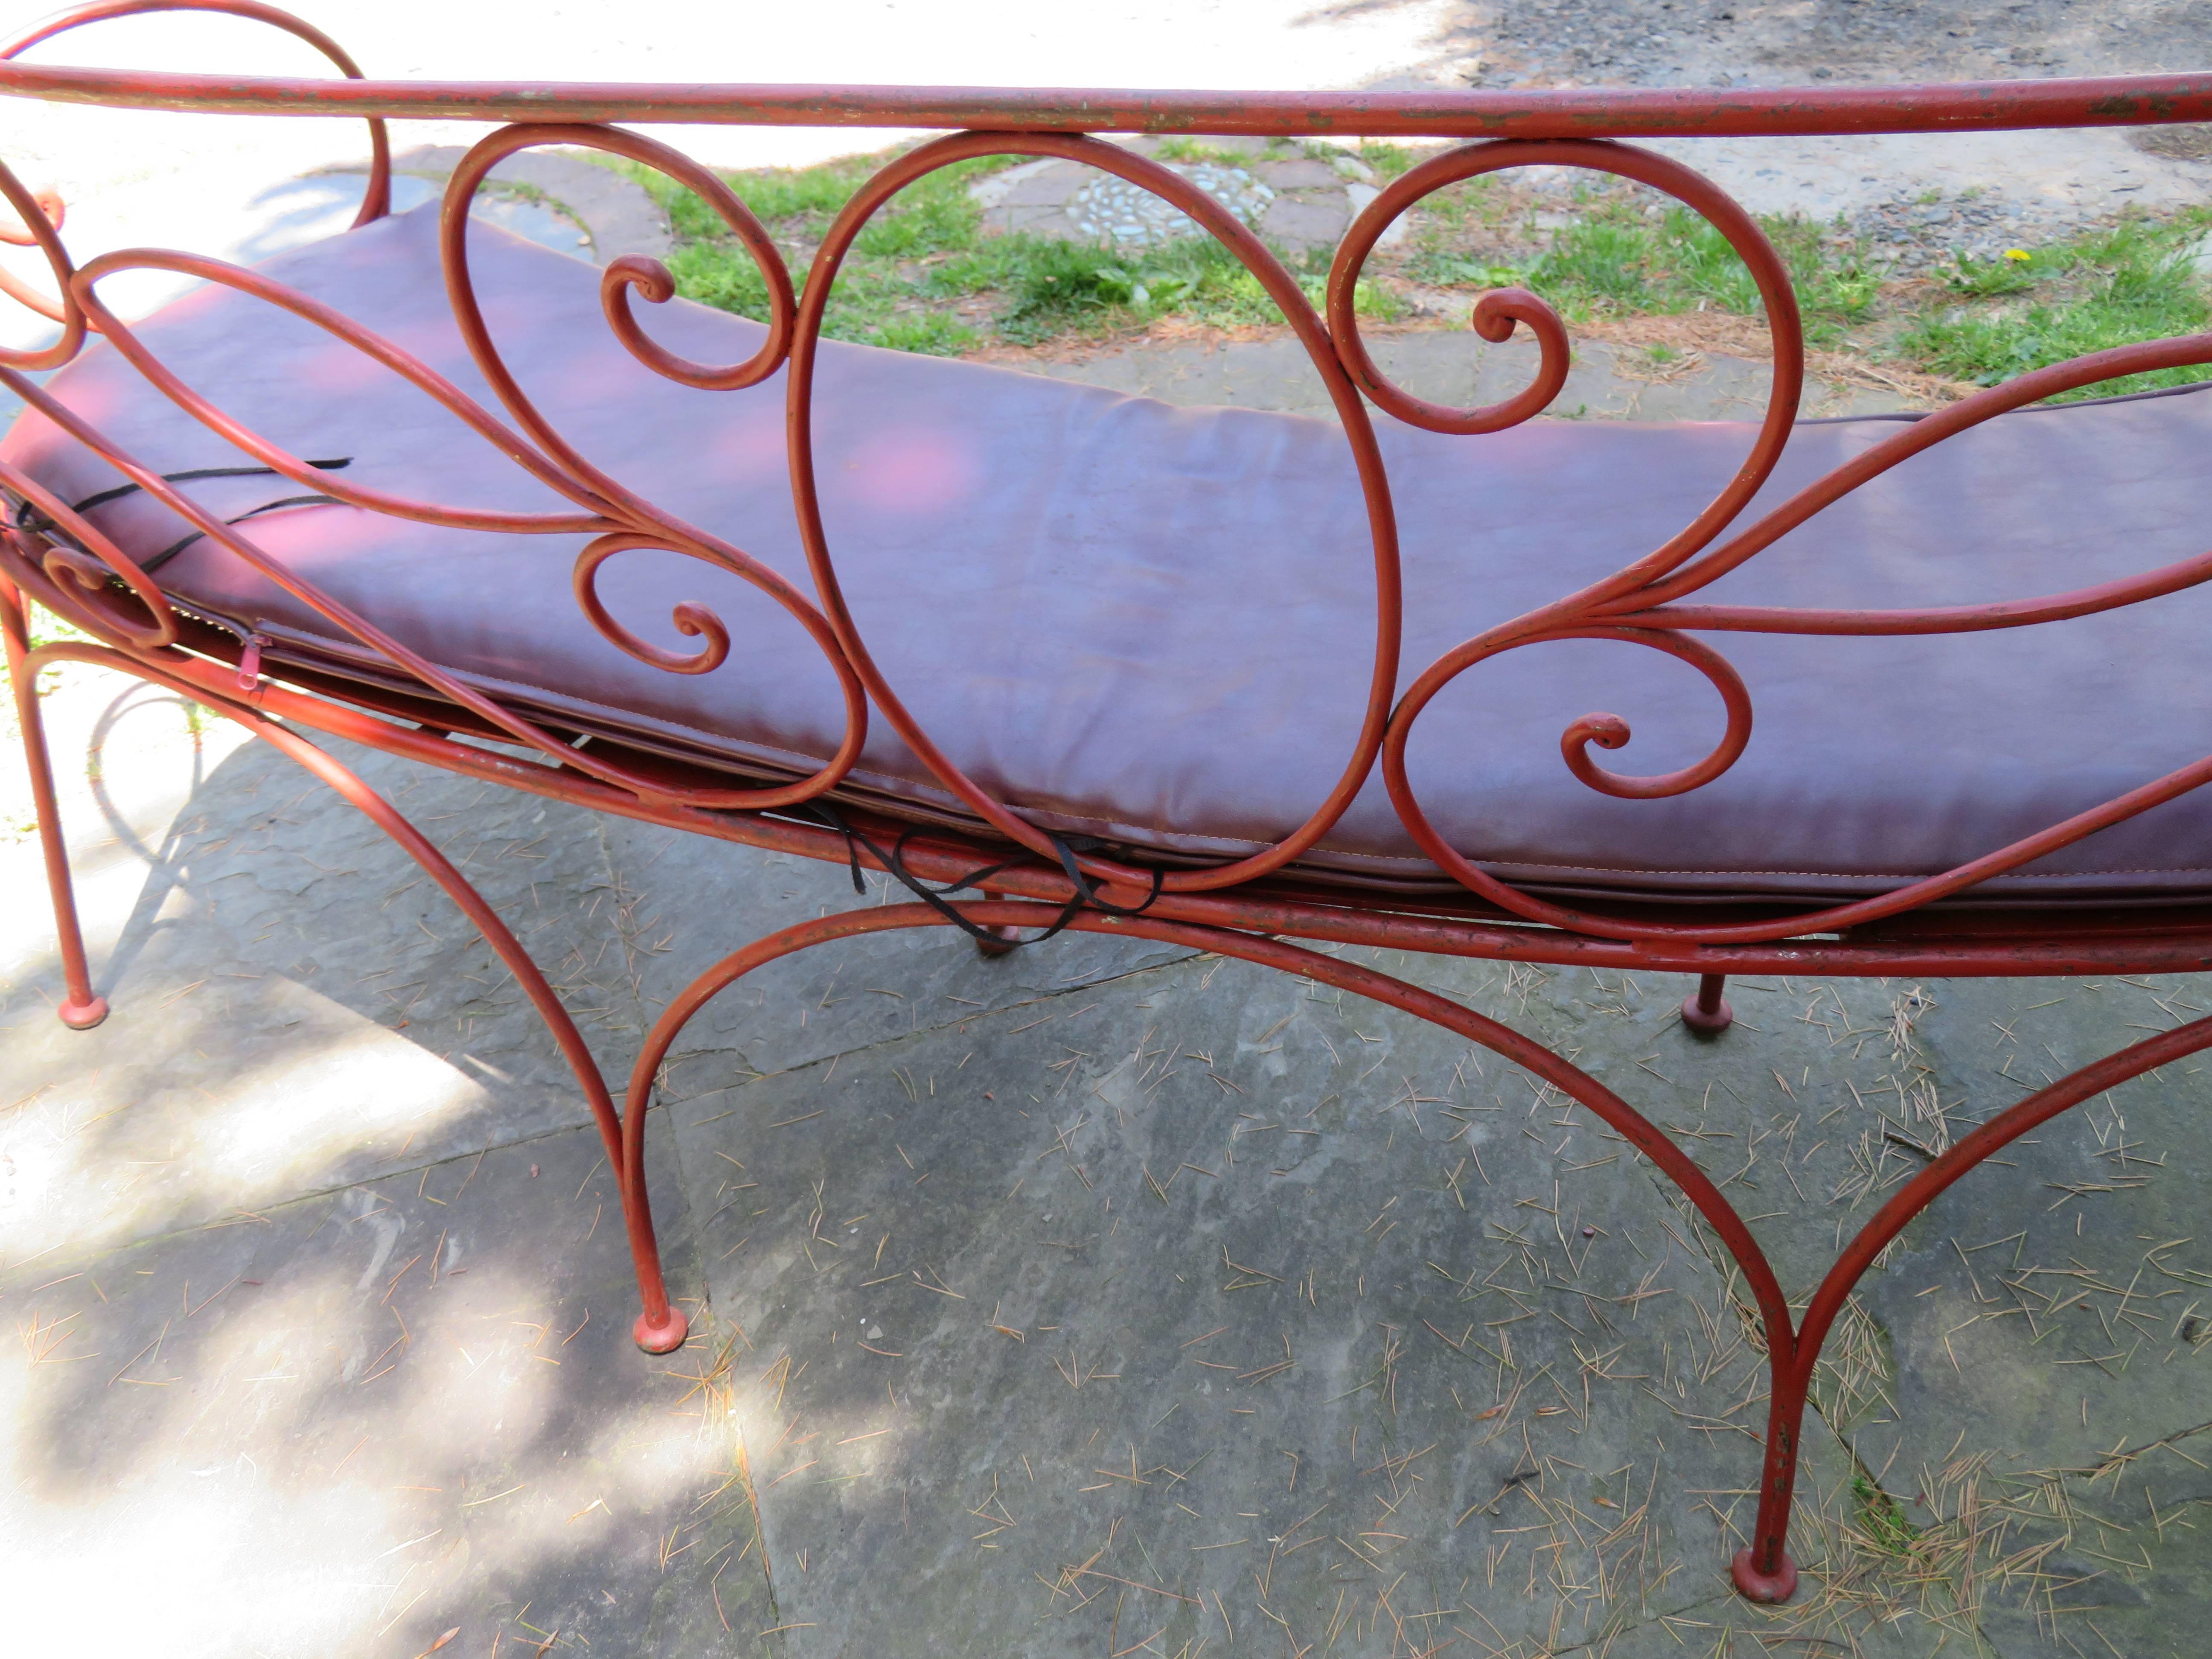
[80,1010]
[1762,1572]
[1002,940]
[1707,1013]
[1646,1138]
[662,1329]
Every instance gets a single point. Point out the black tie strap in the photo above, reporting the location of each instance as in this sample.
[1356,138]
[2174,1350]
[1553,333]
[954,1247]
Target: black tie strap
[1085,895]
[28,517]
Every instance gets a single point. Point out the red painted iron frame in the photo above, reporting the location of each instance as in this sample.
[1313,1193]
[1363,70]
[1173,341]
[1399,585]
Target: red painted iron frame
[1244,908]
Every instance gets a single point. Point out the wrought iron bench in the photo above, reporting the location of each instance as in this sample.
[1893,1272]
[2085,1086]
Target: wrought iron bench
[1061,659]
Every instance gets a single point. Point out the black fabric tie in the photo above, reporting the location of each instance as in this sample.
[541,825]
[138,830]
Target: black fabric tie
[30,518]
[1085,895]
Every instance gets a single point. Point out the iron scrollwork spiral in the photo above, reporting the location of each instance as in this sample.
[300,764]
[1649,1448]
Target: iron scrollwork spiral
[689,618]
[1282,289]
[85,569]
[1580,615]
[633,523]
[90,574]
[1641,603]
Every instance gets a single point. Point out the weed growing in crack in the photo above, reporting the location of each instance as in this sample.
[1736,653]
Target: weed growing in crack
[1880,1520]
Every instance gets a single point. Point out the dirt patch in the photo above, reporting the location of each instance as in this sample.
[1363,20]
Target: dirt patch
[1691,335]
[2192,142]
[1749,43]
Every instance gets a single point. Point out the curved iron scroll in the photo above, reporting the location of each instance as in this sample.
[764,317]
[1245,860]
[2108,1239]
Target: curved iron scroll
[42,222]
[1763,1569]
[1641,602]
[617,519]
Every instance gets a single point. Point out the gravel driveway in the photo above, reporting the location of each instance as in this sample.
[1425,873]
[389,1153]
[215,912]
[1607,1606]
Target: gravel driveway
[1734,43]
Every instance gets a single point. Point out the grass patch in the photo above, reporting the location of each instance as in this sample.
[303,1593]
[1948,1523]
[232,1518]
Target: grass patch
[894,270]
[1880,1520]
[2137,281]
[1976,321]
[1188,151]
[1388,159]
[1619,257]
[1053,286]
[923,277]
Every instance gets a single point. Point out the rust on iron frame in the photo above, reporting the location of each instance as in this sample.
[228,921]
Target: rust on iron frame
[1244,907]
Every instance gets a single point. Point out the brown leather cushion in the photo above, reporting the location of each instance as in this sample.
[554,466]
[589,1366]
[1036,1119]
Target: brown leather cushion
[1153,624]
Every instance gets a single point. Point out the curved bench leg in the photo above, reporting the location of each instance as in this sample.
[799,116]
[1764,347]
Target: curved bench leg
[1764,1571]
[663,1329]
[1707,1011]
[1532,1056]
[80,1010]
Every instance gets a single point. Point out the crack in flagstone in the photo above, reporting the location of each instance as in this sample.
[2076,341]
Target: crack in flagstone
[760,1535]
[2113,1460]
[142,1240]
[667,1099]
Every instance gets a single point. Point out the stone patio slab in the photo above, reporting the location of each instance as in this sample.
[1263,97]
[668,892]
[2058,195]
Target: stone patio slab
[352,1421]
[1455,367]
[1064,1323]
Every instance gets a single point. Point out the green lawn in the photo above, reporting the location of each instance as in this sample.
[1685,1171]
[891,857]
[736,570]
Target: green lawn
[2137,281]
[923,277]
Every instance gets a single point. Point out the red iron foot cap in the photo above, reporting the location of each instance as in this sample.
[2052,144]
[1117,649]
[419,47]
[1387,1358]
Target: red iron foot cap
[1756,1586]
[1705,1024]
[666,1337]
[83,1016]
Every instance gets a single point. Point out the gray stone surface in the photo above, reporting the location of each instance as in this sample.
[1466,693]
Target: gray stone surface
[1104,208]
[1307,222]
[2040,183]
[350,1421]
[321,1316]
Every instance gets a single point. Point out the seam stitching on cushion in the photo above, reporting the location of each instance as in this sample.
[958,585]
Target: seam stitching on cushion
[1391,858]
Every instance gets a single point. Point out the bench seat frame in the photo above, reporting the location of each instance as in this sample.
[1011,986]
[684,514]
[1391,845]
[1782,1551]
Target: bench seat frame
[53,556]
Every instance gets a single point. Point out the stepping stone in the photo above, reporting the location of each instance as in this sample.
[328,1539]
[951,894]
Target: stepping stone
[1298,203]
